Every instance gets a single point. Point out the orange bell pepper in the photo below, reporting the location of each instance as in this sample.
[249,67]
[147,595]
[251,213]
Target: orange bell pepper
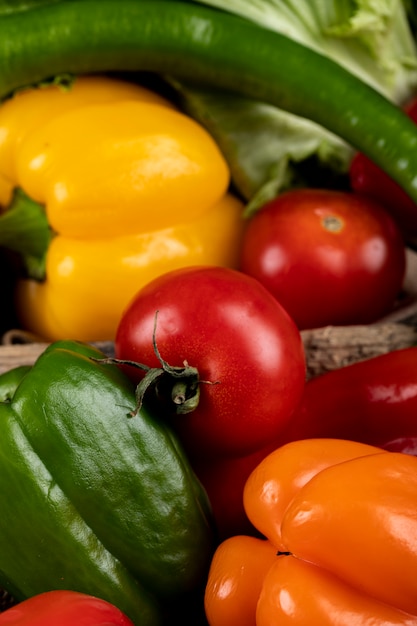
[339,520]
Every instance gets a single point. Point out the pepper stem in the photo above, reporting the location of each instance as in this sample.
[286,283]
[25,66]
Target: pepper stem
[24,229]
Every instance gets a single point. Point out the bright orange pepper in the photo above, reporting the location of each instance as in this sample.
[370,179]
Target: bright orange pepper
[237,573]
[131,187]
[342,519]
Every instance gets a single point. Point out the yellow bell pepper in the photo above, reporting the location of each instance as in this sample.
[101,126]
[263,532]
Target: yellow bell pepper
[131,188]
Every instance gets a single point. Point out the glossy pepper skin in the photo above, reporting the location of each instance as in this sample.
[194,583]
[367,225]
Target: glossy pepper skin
[64,608]
[131,187]
[340,548]
[368,178]
[92,499]
[373,401]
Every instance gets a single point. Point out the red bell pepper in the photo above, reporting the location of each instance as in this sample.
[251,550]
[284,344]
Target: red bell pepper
[372,401]
[224,479]
[64,608]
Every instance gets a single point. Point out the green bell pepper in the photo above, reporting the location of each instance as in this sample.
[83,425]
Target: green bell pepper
[92,499]
[10,380]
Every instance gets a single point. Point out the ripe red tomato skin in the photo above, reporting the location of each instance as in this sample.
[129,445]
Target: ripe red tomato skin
[322,276]
[368,178]
[372,401]
[234,332]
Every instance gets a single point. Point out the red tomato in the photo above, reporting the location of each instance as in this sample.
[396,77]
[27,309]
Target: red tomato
[368,178]
[329,257]
[229,327]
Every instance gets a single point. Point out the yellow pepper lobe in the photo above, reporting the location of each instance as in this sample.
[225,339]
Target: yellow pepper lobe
[119,167]
[132,188]
[31,109]
[90,282]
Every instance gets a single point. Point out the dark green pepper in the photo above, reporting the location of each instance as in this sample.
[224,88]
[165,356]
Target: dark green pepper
[91,498]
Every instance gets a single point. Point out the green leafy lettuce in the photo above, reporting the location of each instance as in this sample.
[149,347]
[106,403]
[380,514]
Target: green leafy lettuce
[270,150]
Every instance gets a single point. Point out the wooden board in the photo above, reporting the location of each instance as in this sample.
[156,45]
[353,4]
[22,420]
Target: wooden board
[326,348]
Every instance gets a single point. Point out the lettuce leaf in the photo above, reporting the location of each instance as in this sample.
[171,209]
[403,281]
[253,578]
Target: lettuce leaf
[269,150]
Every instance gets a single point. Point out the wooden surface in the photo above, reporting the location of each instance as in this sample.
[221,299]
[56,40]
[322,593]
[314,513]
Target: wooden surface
[326,348]
[15,354]
[333,347]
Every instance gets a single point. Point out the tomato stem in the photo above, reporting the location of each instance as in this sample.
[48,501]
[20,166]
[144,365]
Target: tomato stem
[179,385]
